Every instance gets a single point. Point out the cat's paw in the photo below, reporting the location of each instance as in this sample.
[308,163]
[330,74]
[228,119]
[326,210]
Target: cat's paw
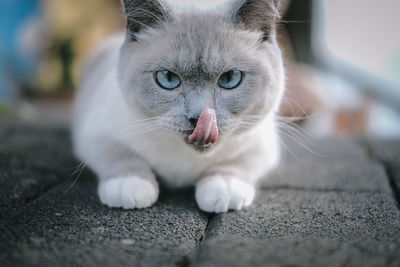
[128,192]
[217,194]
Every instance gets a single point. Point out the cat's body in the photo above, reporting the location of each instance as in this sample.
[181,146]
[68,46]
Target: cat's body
[129,129]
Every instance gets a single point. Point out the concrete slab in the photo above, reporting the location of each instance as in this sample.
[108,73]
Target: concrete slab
[274,252]
[33,159]
[298,214]
[71,228]
[341,175]
[30,146]
[387,151]
[313,149]
[335,209]
[306,228]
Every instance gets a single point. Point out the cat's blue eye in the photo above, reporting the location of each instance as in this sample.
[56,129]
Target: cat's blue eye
[167,79]
[230,79]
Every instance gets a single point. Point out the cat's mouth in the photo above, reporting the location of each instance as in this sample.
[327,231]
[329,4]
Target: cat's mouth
[200,148]
[206,132]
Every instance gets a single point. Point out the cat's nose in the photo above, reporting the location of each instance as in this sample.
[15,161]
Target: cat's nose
[193,121]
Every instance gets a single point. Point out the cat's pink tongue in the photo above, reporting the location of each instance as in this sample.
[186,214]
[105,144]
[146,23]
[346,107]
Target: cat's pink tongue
[206,131]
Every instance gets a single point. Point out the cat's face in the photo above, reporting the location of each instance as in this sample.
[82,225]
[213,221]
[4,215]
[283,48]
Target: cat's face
[193,61]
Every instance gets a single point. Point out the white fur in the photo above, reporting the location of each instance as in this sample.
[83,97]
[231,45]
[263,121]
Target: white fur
[128,192]
[218,194]
[175,162]
[224,178]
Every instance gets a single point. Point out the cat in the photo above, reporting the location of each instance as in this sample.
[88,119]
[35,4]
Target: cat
[185,95]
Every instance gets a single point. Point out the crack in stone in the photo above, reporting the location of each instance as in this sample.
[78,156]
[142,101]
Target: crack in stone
[210,216]
[388,171]
[395,189]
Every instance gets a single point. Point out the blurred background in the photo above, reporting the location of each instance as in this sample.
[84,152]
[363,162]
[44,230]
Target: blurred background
[342,59]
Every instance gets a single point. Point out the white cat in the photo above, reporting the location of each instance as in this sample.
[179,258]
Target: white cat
[185,95]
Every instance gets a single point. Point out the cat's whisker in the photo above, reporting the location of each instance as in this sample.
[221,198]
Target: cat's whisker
[288,149]
[297,134]
[75,170]
[79,170]
[299,142]
[293,137]
[301,134]
[134,134]
[298,130]
[143,122]
[133,131]
[136,128]
[146,120]
[290,118]
[293,103]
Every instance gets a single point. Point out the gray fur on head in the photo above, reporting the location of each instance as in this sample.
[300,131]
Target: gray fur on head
[257,15]
[254,15]
[144,14]
[199,46]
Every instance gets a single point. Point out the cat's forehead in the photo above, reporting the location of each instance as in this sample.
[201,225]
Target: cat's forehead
[183,5]
[207,45]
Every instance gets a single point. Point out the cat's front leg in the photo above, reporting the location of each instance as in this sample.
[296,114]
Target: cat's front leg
[125,179]
[219,193]
[232,185]
[128,192]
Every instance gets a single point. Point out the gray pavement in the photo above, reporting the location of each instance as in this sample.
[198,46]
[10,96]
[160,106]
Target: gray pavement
[333,206]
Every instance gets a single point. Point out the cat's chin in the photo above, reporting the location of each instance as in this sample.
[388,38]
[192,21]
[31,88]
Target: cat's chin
[202,149]
[199,148]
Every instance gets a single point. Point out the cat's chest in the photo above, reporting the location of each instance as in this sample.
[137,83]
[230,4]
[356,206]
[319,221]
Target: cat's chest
[172,160]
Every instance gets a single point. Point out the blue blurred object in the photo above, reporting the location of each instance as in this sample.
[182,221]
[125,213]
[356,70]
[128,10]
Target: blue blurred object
[16,65]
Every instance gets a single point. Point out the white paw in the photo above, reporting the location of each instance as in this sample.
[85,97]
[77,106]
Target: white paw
[128,192]
[217,194]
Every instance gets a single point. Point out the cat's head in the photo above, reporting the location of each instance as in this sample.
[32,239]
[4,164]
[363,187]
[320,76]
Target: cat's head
[177,63]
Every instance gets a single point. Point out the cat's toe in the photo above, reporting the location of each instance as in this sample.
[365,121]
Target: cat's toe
[212,195]
[128,192]
[109,192]
[241,194]
[138,193]
[216,194]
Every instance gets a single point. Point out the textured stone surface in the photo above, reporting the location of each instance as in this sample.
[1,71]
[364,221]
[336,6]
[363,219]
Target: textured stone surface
[71,228]
[330,207]
[341,175]
[40,147]
[321,150]
[33,158]
[306,228]
[388,151]
[52,218]
[298,214]
[278,252]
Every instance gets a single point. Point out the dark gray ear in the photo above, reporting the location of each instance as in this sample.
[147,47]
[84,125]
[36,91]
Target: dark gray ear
[257,15]
[142,14]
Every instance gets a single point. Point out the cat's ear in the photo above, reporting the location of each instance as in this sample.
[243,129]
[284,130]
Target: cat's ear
[143,14]
[257,15]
